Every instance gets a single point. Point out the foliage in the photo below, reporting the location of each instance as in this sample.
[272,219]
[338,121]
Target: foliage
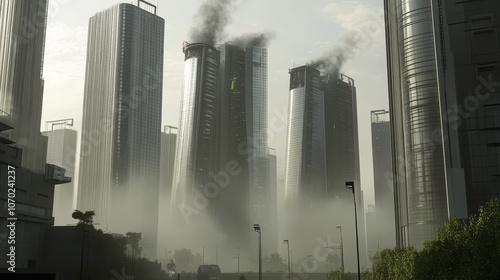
[171,265]
[462,249]
[133,239]
[86,218]
[338,275]
[274,263]
[395,264]
[332,262]
[104,252]
[186,261]
[366,274]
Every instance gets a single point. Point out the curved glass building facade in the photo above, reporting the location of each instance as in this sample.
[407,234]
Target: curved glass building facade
[443,67]
[196,154]
[305,170]
[425,172]
[417,120]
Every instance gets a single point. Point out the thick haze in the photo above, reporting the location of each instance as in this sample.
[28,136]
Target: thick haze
[305,31]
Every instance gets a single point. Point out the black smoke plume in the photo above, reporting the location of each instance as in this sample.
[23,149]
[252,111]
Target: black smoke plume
[333,60]
[257,39]
[210,21]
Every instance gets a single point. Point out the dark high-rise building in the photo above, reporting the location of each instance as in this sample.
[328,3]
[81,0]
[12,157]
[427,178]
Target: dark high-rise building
[257,142]
[26,178]
[120,147]
[385,233]
[305,148]
[270,243]
[341,135]
[221,167]
[61,151]
[233,141]
[443,67]
[167,161]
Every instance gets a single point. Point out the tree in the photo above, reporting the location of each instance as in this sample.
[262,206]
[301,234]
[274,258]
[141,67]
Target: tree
[462,249]
[332,262]
[133,239]
[185,260]
[171,265]
[86,218]
[274,263]
[338,275]
[395,264]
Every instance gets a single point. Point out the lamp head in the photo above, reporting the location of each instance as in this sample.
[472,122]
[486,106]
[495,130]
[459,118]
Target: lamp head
[349,185]
[256,227]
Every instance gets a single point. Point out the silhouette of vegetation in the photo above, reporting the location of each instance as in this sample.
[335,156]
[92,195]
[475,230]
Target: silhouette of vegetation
[186,261]
[462,249]
[104,252]
[274,263]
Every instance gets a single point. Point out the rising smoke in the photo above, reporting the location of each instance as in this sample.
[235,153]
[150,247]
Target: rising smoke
[333,60]
[210,21]
[258,39]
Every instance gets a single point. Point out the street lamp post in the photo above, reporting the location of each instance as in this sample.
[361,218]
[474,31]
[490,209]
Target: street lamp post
[350,185]
[288,245]
[341,248]
[256,227]
[238,256]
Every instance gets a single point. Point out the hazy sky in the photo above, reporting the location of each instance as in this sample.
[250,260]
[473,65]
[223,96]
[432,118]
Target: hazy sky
[304,29]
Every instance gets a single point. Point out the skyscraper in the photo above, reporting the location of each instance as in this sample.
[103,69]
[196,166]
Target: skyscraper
[341,135]
[234,136]
[167,161]
[385,229]
[197,140]
[270,243]
[21,82]
[61,151]
[120,147]
[305,147]
[224,175]
[443,67]
[23,149]
[256,122]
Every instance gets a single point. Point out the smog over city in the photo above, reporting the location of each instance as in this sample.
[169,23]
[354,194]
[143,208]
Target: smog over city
[249,140]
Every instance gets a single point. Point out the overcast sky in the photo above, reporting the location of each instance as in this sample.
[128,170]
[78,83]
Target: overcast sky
[305,29]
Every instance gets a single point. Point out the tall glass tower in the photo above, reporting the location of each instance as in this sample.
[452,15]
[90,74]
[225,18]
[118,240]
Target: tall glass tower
[120,147]
[197,139]
[305,149]
[442,63]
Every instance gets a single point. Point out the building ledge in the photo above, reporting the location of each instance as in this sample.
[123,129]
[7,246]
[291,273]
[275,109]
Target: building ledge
[55,174]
